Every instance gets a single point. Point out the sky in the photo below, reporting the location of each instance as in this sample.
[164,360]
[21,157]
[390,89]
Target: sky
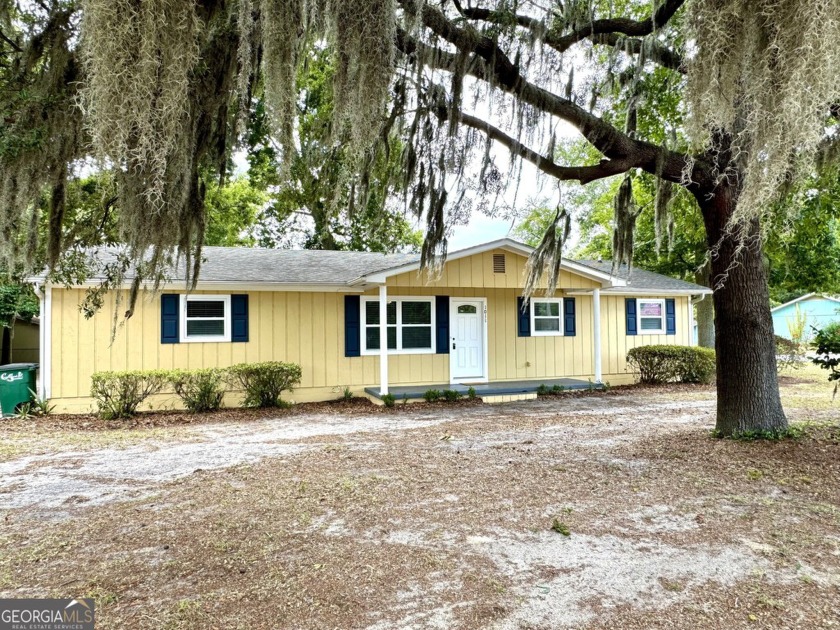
[479,230]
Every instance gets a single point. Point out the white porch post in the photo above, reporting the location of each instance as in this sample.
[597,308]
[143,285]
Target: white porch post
[383,340]
[692,340]
[596,332]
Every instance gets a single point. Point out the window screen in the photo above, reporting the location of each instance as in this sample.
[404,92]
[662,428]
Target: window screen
[410,323]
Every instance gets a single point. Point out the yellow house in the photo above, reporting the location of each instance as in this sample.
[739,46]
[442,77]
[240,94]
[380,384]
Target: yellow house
[469,326]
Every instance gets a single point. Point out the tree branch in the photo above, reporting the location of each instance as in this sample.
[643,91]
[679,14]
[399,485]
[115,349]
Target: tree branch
[624,26]
[607,32]
[493,65]
[583,174]
[659,54]
[10,42]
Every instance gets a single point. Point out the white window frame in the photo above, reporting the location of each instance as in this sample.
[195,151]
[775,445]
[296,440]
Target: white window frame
[639,330]
[204,338]
[534,317]
[399,299]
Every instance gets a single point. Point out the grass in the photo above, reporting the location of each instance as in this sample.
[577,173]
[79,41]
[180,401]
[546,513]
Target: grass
[560,527]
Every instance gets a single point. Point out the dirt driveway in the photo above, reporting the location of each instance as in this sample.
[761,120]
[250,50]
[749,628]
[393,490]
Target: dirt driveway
[614,510]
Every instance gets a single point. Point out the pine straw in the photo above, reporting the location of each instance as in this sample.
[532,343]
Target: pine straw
[412,529]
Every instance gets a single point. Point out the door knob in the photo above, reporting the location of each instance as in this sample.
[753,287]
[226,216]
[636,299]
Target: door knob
[453,345]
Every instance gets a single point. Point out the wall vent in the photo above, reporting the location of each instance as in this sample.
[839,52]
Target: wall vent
[498,263]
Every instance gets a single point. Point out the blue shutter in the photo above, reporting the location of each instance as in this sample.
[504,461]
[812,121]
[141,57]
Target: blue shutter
[170,304]
[569,316]
[523,311]
[630,311]
[670,317]
[442,323]
[352,326]
[239,317]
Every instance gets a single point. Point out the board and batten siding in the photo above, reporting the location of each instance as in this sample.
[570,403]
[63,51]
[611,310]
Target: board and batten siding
[477,271]
[300,327]
[615,342]
[308,328]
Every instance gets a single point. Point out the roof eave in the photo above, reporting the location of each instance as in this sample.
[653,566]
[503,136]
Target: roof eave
[236,285]
[645,291]
[802,298]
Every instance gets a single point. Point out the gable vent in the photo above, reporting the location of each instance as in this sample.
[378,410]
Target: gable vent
[498,263]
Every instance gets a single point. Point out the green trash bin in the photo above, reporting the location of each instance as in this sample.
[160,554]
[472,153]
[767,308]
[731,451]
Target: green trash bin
[17,382]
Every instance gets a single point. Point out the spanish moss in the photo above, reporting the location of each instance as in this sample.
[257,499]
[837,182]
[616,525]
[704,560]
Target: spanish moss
[626,213]
[544,263]
[765,78]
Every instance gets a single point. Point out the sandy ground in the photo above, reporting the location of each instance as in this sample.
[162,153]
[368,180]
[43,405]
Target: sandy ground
[613,510]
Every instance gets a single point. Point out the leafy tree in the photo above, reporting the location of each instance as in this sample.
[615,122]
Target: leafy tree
[315,199]
[233,209]
[804,255]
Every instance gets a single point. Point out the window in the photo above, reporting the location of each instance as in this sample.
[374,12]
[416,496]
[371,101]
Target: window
[206,318]
[651,317]
[410,325]
[547,316]
[467,309]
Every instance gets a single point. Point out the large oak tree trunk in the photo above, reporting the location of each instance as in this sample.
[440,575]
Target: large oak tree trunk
[747,386]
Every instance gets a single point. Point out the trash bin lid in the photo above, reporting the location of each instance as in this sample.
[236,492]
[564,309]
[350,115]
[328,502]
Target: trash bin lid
[19,366]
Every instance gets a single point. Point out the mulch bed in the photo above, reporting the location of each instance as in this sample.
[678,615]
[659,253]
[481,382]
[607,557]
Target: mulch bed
[340,406]
[171,418]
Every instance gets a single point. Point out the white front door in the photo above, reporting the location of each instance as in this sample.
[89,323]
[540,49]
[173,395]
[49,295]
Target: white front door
[467,353]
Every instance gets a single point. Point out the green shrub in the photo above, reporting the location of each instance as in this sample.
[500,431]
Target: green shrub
[263,383]
[554,390]
[199,390]
[432,395]
[827,345]
[471,393]
[388,400]
[667,364]
[450,395]
[347,395]
[36,406]
[790,355]
[119,394]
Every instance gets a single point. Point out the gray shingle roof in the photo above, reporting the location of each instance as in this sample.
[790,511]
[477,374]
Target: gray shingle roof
[286,266]
[230,264]
[641,279]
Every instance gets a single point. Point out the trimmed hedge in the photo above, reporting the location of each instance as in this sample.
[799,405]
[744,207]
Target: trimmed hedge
[263,383]
[199,390]
[668,364]
[119,394]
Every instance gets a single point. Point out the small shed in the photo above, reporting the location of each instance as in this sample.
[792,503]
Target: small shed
[23,340]
[817,309]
